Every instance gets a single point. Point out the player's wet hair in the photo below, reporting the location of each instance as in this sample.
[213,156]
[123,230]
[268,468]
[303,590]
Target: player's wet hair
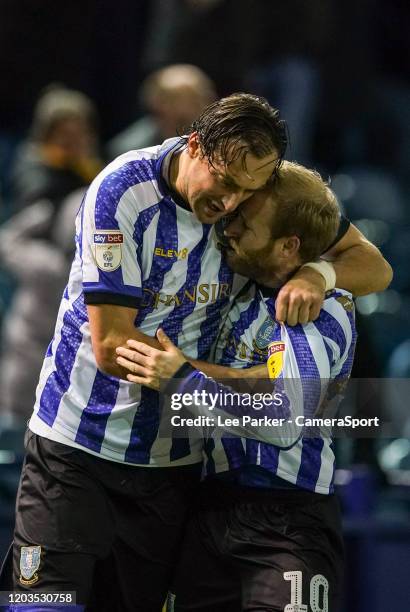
[238,125]
[306,207]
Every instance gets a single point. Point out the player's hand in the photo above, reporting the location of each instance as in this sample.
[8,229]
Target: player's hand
[300,300]
[148,365]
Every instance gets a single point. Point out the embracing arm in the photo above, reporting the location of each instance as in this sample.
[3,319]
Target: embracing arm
[111,326]
[225,372]
[360,268]
[168,371]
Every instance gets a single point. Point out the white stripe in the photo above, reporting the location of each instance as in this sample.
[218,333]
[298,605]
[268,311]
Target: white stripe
[326,467]
[289,463]
[317,346]
[119,424]
[258,455]
[76,398]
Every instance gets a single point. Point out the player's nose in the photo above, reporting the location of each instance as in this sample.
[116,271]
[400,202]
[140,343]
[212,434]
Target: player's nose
[232,201]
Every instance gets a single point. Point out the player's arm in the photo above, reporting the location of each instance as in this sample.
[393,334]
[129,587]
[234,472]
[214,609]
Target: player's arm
[111,326]
[169,370]
[129,350]
[359,266]
[112,277]
[217,371]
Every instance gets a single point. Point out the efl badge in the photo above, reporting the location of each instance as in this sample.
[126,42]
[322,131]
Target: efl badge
[275,358]
[108,249]
[30,557]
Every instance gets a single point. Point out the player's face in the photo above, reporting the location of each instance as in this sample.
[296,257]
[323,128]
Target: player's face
[251,248]
[215,191]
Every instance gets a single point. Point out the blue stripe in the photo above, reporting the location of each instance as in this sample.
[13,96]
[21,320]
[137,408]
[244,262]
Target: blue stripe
[210,326]
[94,417]
[308,370]
[144,428]
[269,457]
[146,421]
[328,326]
[310,463]
[167,233]
[49,351]
[252,447]
[242,324]
[234,451]
[303,353]
[172,324]
[141,225]
[59,380]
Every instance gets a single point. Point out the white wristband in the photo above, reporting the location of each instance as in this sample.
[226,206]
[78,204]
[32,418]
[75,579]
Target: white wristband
[326,269]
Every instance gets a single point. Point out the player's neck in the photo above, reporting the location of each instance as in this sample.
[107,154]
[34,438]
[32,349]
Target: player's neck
[275,278]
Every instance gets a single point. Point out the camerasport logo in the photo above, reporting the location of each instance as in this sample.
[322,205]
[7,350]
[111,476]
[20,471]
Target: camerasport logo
[108,249]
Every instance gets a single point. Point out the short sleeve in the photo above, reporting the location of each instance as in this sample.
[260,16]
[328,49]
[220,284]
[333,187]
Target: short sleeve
[343,229]
[108,250]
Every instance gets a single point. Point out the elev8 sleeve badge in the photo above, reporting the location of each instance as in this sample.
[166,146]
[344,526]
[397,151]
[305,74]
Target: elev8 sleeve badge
[108,249]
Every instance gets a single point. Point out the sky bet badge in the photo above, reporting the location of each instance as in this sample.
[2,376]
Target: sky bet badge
[276,351]
[108,249]
[30,557]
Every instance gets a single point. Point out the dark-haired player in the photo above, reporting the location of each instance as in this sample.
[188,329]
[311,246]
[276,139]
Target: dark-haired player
[98,480]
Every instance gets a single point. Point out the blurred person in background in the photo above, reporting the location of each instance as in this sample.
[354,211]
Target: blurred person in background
[52,168]
[172,96]
[60,153]
[40,266]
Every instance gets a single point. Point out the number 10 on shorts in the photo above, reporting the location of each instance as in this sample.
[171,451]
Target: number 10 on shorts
[319,592]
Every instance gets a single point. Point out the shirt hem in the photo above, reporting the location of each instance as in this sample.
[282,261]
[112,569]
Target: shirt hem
[40,428]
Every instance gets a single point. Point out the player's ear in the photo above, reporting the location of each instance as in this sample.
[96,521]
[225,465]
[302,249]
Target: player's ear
[290,246]
[194,148]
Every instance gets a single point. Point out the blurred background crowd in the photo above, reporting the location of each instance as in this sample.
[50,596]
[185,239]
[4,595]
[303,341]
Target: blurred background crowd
[84,82]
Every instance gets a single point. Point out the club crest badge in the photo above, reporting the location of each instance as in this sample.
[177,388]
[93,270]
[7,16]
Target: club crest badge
[30,557]
[265,333]
[108,249]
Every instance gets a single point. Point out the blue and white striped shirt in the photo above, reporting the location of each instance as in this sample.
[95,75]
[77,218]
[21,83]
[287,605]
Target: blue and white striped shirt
[314,355]
[135,246]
